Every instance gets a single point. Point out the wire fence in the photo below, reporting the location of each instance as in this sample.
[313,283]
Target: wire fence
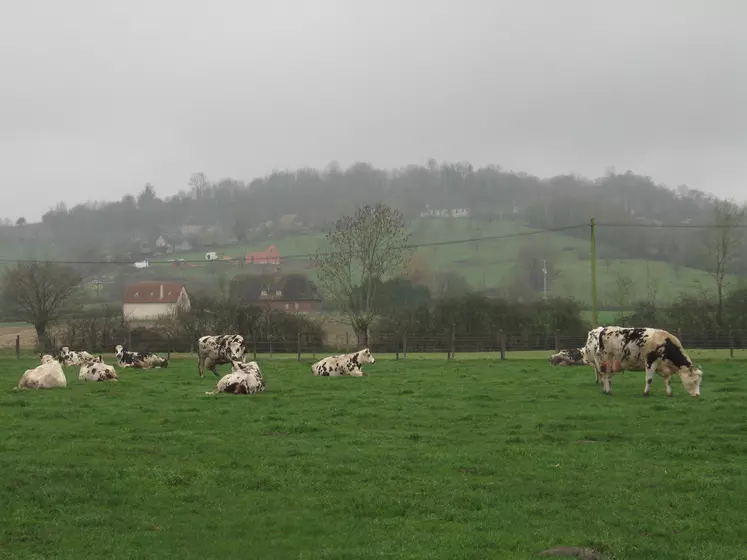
[398,345]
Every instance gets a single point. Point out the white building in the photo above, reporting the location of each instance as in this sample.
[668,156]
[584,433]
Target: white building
[146,301]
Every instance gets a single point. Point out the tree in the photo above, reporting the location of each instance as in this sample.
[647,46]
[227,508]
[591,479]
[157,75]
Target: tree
[20,222]
[724,242]
[199,184]
[39,293]
[623,290]
[368,247]
[240,225]
[147,196]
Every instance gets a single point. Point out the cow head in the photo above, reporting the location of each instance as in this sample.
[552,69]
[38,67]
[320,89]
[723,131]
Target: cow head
[235,350]
[691,377]
[365,357]
[64,353]
[45,358]
[119,351]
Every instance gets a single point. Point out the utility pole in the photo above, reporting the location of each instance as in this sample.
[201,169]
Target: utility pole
[544,280]
[594,309]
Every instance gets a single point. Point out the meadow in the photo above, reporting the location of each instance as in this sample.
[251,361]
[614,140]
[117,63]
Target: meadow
[423,458]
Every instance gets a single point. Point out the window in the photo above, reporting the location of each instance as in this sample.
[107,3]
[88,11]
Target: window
[287,305]
[295,305]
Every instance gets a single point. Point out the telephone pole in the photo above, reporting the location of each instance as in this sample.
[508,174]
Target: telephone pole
[594,309]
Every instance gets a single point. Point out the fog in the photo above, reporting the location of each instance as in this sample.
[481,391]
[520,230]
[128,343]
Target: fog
[98,98]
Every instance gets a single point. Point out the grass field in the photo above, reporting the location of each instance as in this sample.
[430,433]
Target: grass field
[423,458]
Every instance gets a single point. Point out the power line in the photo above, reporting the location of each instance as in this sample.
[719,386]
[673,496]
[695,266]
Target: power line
[310,255]
[674,226]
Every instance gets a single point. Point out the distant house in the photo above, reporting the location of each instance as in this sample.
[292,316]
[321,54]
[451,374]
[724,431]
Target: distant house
[145,301]
[173,244]
[445,212]
[293,294]
[291,303]
[268,256]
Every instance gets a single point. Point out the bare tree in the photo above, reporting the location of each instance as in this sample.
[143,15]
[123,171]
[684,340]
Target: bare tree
[623,289]
[364,250]
[39,293]
[723,245]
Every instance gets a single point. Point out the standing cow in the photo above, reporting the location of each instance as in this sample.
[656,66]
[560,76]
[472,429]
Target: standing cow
[344,364]
[214,350]
[643,349]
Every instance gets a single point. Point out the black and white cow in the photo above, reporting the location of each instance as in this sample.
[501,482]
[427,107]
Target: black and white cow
[642,349]
[214,350]
[140,360]
[245,379]
[97,371]
[568,357]
[69,357]
[344,364]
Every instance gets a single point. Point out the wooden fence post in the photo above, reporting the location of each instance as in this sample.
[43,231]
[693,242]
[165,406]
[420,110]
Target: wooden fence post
[18,347]
[298,345]
[453,337]
[347,342]
[254,345]
[557,340]
[404,346]
[396,349]
[731,344]
[502,342]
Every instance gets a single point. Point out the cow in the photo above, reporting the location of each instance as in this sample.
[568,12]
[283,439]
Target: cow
[568,357]
[344,364]
[97,371]
[48,375]
[643,349]
[140,360]
[215,350]
[69,357]
[590,350]
[46,358]
[245,379]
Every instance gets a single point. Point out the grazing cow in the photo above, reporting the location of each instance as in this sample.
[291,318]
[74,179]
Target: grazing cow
[245,379]
[344,364]
[69,357]
[215,350]
[643,349]
[568,357]
[97,371]
[46,376]
[140,360]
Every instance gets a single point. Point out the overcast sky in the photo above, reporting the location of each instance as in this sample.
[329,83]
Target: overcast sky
[97,97]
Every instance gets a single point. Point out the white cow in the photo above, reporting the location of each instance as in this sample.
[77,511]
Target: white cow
[245,379]
[97,371]
[46,358]
[344,364]
[642,349]
[46,376]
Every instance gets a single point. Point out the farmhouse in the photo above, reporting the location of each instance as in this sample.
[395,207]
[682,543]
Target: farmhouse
[268,256]
[146,301]
[293,293]
[173,243]
[292,303]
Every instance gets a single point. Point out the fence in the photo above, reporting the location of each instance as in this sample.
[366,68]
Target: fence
[448,345]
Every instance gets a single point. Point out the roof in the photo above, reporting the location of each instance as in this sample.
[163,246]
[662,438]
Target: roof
[150,292]
[268,251]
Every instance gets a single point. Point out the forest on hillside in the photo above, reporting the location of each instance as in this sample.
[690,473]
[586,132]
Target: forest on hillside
[630,208]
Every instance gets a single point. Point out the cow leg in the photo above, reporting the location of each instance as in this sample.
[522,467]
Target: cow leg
[200,365]
[669,386]
[607,383]
[650,371]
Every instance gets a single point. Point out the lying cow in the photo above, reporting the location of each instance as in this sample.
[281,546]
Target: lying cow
[245,379]
[214,350]
[344,364]
[69,357]
[643,349]
[46,358]
[568,357]
[140,360]
[97,371]
[48,375]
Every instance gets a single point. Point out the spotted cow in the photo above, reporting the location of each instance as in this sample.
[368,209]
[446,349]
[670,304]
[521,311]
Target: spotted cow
[70,358]
[590,350]
[214,350]
[344,364]
[48,375]
[97,371]
[245,379]
[643,349]
[568,357]
[139,360]
[46,358]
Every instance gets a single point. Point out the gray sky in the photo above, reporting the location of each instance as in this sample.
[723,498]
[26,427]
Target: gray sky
[99,97]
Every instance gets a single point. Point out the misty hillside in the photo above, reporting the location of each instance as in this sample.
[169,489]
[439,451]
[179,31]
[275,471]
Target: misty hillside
[293,209]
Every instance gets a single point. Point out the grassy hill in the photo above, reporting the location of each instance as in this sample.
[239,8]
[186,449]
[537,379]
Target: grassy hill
[484,264]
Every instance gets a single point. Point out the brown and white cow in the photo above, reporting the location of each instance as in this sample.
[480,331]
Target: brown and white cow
[642,349]
[245,379]
[97,371]
[214,350]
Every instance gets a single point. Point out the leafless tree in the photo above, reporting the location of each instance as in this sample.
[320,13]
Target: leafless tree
[723,245]
[364,250]
[39,293]
[622,293]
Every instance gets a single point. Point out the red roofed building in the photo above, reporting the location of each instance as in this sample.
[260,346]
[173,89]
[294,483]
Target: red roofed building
[268,256]
[146,301]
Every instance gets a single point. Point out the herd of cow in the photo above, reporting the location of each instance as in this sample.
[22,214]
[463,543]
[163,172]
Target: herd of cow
[610,350]
[212,351]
